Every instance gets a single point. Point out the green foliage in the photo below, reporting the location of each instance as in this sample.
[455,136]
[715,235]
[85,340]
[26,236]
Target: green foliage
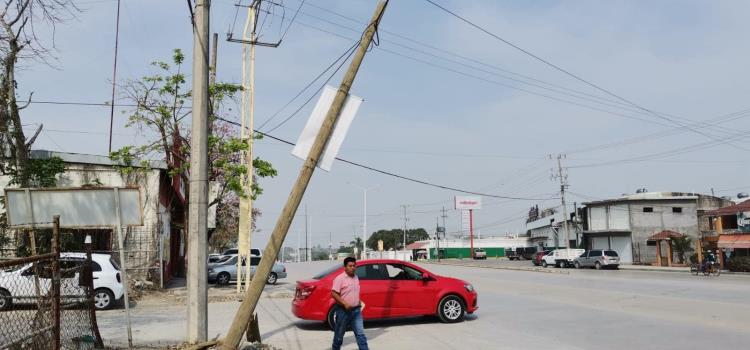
[739,264]
[682,245]
[394,239]
[39,172]
[160,99]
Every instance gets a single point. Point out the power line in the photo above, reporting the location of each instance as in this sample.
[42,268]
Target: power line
[341,64]
[394,174]
[576,77]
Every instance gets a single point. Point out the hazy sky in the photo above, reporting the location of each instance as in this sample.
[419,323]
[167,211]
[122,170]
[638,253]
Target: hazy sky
[446,103]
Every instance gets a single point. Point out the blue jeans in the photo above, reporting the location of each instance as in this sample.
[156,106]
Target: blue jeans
[345,319]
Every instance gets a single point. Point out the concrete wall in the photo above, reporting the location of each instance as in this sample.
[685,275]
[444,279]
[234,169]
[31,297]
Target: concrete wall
[645,224]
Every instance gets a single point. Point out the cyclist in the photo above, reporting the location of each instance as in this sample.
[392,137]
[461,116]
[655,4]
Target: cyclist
[708,259]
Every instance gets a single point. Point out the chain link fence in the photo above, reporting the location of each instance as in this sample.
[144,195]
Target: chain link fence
[47,302]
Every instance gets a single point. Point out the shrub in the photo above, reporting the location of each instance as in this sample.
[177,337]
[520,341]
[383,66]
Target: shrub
[739,264]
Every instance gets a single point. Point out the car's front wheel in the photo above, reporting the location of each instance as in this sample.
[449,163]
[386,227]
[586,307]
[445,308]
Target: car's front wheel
[103,299]
[272,278]
[451,309]
[544,263]
[222,278]
[577,265]
[6,301]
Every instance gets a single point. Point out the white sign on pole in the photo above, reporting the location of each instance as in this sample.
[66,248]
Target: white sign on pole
[307,138]
[468,202]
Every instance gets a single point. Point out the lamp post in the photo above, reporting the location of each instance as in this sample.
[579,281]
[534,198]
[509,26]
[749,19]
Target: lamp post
[364,216]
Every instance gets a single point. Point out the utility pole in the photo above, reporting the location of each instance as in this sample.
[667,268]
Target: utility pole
[405,220]
[114,77]
[444,216]
[197,306]
[306,235]
[245,311]
[563,185]
[214,49]
[330,247]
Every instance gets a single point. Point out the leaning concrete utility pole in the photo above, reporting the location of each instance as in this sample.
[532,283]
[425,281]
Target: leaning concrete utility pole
[245,312]
[197,305]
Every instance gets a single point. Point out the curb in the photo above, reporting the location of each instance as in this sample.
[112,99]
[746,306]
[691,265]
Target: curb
[529,269]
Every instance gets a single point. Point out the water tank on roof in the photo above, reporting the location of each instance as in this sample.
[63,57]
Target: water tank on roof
[742,195]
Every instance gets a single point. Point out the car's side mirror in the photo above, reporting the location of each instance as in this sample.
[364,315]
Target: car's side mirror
[426,276]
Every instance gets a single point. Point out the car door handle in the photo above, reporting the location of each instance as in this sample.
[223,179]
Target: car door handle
[96,278]
[393,287]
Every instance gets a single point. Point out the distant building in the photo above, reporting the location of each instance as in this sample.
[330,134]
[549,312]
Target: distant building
[624,224]
[546,228]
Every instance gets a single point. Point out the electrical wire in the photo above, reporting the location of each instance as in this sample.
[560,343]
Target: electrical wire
[576,77]
[292,21]
[391,174]
[340,59]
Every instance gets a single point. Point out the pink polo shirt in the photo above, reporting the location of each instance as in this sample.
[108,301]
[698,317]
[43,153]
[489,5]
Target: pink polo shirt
[348,288]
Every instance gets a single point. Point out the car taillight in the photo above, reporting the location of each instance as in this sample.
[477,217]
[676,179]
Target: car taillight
[284,268]
[118,277]
[304,292]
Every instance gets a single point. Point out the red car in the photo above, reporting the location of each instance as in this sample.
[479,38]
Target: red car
[389,289]
[538,257]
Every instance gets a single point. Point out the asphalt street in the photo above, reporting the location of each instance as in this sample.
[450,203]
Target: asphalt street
[563,309]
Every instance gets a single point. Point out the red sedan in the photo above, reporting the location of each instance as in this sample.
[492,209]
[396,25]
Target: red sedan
[389,289]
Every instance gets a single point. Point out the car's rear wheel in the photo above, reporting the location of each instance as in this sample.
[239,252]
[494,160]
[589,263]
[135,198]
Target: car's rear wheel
[103,299]
[223,278]
[272,278]
[331,318]
[544,263]
[5,300]
[598,265]
[451,309]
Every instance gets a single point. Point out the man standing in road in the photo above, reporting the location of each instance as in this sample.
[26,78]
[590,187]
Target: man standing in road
[345,292]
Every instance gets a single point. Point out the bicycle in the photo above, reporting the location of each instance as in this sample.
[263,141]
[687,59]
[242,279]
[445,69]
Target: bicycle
[706,268]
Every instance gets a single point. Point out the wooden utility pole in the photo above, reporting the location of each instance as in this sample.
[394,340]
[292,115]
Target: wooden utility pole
[245,312]
[197,305]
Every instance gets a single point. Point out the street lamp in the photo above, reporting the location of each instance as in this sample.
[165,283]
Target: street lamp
[364,217]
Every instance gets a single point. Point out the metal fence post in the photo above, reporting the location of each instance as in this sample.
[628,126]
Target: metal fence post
[56,282]
[98,342]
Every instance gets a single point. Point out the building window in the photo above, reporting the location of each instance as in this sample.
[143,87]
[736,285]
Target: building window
[676,209]
[648,209]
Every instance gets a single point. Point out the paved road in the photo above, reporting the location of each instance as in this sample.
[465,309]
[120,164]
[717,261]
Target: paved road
[581,309]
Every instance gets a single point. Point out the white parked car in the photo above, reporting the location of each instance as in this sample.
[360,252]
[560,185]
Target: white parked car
[561,257]
[17,286]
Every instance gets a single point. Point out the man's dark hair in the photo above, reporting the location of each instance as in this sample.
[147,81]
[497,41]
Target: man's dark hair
[349,259]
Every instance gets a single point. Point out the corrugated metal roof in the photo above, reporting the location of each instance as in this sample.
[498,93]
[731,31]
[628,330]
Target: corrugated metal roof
[732,209]
[734,241]
[81,158]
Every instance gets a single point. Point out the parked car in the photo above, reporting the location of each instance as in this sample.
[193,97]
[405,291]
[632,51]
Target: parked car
[561,257]
[389,289]
[518,253]
[18,287]
[598,259]
[214,258]
[227,271]
[537,260]
[235,251]
[479,253]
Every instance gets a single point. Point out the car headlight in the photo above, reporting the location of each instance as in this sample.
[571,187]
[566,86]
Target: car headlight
[469,287]
[210,270]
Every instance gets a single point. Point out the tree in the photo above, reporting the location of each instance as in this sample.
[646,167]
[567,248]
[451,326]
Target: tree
[682,245]
[394,238]
[160,99]
[20,39]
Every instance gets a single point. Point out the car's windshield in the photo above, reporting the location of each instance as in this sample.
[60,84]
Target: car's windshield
[327,272]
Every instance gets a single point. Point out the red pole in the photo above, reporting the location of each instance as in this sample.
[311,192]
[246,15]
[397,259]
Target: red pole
[471,231]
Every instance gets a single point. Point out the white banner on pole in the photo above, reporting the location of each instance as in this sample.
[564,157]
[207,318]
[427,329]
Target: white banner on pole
[307,138]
